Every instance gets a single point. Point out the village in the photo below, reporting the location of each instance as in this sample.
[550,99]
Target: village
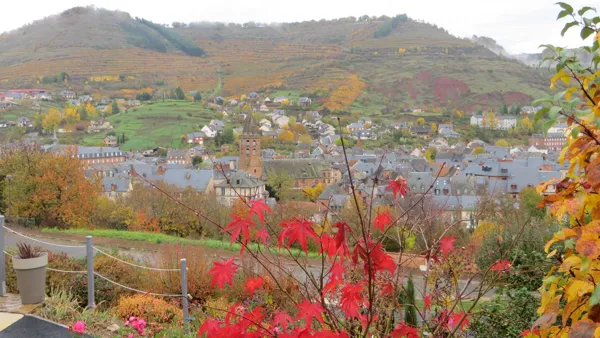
[453,172]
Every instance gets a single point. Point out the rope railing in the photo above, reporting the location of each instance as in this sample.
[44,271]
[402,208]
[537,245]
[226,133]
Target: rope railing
[136,290]
[91,273]
[50,269]
[40,241]
[134,265]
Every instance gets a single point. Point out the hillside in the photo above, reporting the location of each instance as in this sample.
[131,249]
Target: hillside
[371,65]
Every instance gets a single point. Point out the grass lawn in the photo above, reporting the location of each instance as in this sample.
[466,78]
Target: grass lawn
[291,95]
[157,124]
[159,238]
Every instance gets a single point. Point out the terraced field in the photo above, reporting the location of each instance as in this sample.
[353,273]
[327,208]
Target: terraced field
[413,64]
[158,124]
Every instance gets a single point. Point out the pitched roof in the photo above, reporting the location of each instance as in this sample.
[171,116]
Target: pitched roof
[184,178]
[296,168]
[241,179]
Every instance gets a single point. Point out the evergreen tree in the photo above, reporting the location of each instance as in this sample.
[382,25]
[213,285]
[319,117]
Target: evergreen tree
[179,94]
[197,97]
[410,312]
[115,108]
[504,110]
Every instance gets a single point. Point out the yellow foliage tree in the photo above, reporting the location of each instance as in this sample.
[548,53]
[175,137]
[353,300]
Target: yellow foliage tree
[51,120]
[91,111]
[421,121]
[314,192]
[71,115]
[570,294]
[306,139]
[502,143]
[286,136]
[434,127]
[478,150]
[108,110]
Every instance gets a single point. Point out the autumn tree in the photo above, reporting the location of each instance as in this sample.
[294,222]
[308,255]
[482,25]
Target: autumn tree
[49,187]
[306,139]
[570,291]
[285,136]
[478,150]
[313,192]
[52,120]
[434,128]
[421,121]
[91,111]
[71,115]
[502,143]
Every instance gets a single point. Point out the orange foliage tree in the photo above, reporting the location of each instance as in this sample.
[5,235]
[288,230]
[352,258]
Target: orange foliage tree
[49,187]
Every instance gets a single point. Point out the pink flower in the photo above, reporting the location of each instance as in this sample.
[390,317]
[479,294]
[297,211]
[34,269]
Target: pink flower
[79,327]
[132,319]
[130,335]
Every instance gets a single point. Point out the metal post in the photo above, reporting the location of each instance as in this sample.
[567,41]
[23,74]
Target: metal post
[2,259]
[90,271]
[184,293]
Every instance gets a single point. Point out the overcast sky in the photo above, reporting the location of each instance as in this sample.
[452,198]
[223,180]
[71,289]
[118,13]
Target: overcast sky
[518,25]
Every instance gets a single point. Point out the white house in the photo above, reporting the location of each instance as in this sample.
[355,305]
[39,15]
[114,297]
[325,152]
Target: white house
[280,99]
[281,120]
[499,122]
[209,131]
[263,108]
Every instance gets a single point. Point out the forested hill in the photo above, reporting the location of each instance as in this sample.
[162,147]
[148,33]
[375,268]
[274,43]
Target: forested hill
[371,64]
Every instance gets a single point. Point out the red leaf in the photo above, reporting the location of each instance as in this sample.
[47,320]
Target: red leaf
[528,332]
[398,186]
[327,245]
[350,299]
[501,266]
[379,260]
[239,225]
[337,271]
[331,285]
[222,273]
[262,235]
[382,220]
[404,331]
[254,317]
[259,208]
[283,319]
[427,302]
[297,231]
[340,239]
[388,289]
[308,311]
[210,327]
[447,245]
[456,317]
[252,284]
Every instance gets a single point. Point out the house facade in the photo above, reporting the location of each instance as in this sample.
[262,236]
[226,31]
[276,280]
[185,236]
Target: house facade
[180,157]
[241,184]
[552,141]
[498,122]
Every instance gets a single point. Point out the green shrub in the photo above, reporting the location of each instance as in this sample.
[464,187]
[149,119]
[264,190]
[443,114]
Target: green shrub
[506,318]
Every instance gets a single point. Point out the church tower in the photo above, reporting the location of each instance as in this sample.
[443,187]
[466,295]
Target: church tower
[250,159]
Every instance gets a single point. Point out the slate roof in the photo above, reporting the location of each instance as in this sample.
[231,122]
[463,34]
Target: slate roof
[467,203]
[296,168]
[197,179]
[241,179]
[121,185]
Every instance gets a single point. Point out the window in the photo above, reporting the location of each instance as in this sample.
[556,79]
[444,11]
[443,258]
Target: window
[513,186]
[446,191]
[222,191]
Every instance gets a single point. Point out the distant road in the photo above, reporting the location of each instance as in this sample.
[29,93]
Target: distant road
[143,251]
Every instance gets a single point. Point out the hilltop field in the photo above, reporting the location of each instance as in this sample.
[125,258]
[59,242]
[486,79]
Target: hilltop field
[159,124]
[365,65]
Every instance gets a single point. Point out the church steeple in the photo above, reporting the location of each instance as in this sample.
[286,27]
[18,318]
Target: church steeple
[250,159]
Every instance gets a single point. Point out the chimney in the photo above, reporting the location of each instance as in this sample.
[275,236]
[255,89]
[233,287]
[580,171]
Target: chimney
[187,175]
